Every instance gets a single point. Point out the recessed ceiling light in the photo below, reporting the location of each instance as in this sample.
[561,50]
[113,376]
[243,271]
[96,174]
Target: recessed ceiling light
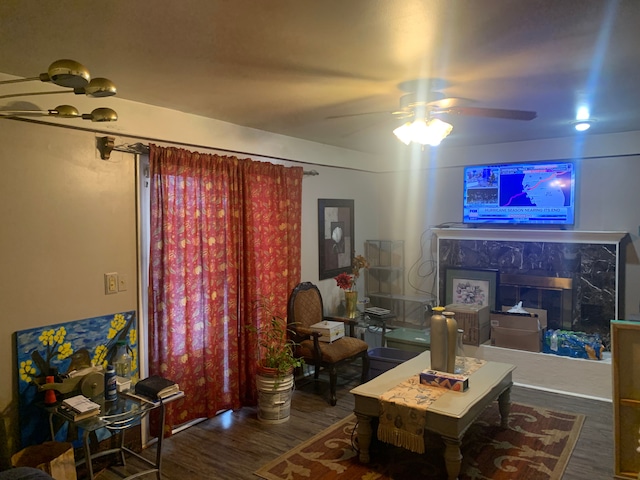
[582,125]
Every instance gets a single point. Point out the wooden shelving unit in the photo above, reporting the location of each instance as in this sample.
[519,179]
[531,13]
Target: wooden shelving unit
[625,354]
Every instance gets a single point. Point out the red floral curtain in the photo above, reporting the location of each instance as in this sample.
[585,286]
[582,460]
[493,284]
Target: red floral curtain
[225,234]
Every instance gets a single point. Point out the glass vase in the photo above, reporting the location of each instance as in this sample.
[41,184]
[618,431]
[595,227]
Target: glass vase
[461,357]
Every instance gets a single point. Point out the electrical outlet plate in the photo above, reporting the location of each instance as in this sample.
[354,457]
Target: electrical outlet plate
[110,283]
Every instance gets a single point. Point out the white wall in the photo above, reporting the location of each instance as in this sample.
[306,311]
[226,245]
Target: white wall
[69,217]
[336,184]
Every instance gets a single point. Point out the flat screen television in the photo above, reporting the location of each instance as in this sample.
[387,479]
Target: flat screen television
[541,193]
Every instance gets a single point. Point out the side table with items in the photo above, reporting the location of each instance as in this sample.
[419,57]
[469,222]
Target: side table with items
[117,416]
[375,323]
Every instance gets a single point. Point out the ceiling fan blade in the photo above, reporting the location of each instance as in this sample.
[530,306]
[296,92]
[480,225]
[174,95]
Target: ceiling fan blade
[488,112]
[332,117]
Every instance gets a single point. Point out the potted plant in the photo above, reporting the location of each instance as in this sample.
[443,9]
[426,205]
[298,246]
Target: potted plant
[276,363]
[276,356]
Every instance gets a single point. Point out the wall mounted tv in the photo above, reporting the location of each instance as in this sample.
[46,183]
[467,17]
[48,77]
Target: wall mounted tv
[520,193]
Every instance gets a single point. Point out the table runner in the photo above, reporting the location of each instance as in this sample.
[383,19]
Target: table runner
[403,410]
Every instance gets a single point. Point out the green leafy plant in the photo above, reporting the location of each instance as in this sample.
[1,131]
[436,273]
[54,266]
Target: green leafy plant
[276,349]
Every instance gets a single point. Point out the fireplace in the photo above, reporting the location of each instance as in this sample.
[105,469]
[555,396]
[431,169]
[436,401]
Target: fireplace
[573,275]
[552,294]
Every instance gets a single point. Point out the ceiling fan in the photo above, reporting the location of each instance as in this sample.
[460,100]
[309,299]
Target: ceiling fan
[426,128]
[436,103]
[422,113]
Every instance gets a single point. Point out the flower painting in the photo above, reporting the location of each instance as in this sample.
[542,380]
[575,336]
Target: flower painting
[60,351]
[472,286]
[471,292]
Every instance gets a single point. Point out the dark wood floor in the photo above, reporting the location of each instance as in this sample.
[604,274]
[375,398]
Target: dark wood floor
[233,445]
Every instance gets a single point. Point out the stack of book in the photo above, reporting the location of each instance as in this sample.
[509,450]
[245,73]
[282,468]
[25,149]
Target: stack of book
[156,387]
[377,311]
[78,408]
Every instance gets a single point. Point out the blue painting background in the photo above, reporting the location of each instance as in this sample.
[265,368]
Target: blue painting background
[62,346]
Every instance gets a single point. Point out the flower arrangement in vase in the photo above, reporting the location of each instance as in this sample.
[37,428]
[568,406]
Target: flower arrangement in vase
[347,282]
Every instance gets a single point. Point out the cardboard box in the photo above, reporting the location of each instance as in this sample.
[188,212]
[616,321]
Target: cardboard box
[516,330]
[55,458]
[474,320]
[329,331]
[542,315]
[434,378]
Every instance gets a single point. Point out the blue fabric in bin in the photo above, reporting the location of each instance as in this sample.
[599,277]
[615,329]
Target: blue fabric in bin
[382,359]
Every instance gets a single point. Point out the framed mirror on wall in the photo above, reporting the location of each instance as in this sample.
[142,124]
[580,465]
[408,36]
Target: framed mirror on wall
[335,237]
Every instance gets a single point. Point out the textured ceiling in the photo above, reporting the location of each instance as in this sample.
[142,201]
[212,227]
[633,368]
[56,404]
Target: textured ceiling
[290,66]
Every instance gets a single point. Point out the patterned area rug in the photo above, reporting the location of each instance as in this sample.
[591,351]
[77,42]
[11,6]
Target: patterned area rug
[537,445]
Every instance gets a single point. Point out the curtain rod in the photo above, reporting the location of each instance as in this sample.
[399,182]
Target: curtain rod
[106,140]
[106,143]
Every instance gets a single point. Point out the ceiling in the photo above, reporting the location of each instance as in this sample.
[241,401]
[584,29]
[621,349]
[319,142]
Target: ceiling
[289,66]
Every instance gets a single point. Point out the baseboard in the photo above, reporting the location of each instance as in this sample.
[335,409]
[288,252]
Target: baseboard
[554,373]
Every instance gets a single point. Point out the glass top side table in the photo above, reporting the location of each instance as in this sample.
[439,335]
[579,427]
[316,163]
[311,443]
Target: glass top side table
[118,415]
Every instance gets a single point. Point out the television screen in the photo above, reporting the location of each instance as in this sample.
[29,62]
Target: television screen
[520,193]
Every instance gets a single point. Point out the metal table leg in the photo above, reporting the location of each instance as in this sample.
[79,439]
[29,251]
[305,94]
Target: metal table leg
[87,453]
[159,446]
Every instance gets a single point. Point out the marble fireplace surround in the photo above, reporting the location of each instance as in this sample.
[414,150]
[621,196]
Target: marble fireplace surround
[590,261]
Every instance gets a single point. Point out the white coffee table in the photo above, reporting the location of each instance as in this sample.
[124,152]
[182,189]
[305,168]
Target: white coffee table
[449,416]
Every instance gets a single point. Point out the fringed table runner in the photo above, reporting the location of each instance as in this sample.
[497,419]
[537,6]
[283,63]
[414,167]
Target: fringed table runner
[403,410]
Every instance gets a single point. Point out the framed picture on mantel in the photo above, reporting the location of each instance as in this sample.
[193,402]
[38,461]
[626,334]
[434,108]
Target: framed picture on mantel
[472,286]
[335,237]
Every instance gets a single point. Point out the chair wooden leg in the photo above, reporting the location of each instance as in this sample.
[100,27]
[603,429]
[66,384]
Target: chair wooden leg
[333,381]
[365,368]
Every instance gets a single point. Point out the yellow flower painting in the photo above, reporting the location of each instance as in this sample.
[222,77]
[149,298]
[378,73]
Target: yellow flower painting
[65,349]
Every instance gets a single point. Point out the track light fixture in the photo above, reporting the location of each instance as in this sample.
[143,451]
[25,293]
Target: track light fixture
[66,73]
[65,111]
[69,74]
[97,88]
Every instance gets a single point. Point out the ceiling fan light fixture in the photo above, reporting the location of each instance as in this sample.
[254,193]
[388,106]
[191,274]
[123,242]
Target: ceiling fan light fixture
[404,133]
[430,132]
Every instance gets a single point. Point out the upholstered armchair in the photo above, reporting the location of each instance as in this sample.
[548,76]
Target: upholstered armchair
[305,309]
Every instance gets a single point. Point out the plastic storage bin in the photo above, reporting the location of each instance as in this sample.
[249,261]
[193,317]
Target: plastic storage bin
[409,339]
[382,359]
